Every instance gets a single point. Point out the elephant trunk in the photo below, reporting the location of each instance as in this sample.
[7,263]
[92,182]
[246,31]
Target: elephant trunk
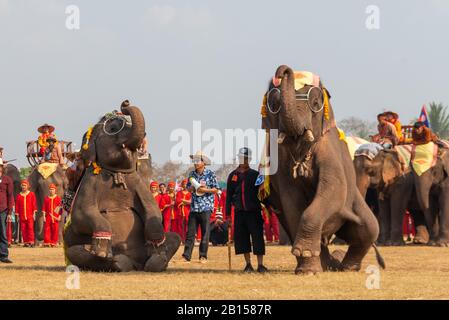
[137,132]
[423,185]
[292,119]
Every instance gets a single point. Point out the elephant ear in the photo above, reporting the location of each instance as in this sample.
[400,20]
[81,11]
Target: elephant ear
[392,167]
[88,151]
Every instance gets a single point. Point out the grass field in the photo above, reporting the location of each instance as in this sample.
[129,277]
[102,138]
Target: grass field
[412,273]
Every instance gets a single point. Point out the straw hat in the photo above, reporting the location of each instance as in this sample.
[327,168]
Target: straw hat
[200,155]
[42,127]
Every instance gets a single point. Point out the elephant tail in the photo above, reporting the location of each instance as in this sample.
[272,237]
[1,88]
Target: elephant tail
[379,258]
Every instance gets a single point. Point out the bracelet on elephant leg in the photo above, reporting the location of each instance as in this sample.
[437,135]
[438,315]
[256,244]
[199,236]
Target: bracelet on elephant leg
[102,235]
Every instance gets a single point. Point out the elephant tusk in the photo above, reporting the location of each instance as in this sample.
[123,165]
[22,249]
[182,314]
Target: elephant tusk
[308,136]
[281,137]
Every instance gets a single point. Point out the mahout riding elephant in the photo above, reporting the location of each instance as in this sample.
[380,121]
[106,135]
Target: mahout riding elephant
[314,189]
[39,185]
[388,175]
[115,222]
[432,190]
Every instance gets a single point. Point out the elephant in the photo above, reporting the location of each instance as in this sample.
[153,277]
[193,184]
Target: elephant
[40,185]
[387,174]
[145,169]
[432,190]
[314,189]
[115,223]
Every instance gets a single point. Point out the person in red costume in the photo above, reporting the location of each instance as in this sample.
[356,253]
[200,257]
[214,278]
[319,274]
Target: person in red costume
[154,188]
[168,206]
[26,208]
[52,216]
[182,210]
[271,225]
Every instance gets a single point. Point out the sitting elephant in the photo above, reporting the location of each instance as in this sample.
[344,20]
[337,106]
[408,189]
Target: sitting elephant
[314,189]
[115,222]
[393,181]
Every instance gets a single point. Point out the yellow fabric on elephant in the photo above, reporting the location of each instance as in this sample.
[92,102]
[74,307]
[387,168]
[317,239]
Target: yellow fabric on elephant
[303,78]
[47,169]
[424,157]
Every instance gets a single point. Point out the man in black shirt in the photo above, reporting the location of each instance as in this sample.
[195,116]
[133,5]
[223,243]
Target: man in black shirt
[248,222]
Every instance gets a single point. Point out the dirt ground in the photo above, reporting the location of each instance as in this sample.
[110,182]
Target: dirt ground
[412,273]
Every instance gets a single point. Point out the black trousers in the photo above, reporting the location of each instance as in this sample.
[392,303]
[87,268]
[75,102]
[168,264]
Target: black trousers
[196,219]
[3,240]
[248,226]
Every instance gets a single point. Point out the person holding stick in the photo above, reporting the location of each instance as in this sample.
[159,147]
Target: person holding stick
[248,222]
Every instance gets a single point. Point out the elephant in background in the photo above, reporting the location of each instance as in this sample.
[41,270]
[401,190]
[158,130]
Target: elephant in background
[314,190]
[40,186]
[115,223]
[432,190]
[395,188]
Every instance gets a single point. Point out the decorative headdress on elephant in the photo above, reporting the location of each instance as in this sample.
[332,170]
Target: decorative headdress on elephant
[298,105]
[113,142]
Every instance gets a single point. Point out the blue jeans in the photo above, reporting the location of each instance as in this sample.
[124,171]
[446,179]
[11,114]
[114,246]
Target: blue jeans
[3,240]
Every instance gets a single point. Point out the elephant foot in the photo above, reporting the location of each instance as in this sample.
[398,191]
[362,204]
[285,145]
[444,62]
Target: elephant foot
[122,263]
[422,235]
[442,243]
[309,266]
[332,262]
[160,255]
[101,247]
[432,243]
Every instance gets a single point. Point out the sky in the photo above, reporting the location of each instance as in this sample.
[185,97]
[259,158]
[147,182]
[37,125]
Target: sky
[182,61]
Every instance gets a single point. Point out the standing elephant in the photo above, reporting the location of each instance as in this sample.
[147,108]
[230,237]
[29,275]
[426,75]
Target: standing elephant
[432,189]
[314,189]
[387,173]
[39,185]
[115,223]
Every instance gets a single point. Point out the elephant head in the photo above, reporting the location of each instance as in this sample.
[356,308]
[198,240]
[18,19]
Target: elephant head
[113,142]
[297,119]
[380,172]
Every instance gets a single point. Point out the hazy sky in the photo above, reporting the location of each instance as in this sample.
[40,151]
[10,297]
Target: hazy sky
[209,60]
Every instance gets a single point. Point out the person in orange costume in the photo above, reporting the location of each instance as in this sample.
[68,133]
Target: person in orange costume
[168,206]
[26,208]
[52,216]
[182,210]
[45,131]
[154,188]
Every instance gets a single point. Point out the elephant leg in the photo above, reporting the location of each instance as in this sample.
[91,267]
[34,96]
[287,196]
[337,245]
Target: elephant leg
[431,217]
[360,237]
[443,218]
[162,254]
[331,262]
[398,203]
[384,222]
[81,257]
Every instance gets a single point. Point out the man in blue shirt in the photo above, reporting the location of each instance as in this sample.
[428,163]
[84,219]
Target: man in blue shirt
[203,185]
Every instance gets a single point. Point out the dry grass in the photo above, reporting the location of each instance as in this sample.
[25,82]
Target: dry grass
[412,273]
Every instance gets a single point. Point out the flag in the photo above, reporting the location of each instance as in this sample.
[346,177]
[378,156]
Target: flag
[424,117]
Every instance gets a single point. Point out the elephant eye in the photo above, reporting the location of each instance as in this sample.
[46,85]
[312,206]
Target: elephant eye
[273,100]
